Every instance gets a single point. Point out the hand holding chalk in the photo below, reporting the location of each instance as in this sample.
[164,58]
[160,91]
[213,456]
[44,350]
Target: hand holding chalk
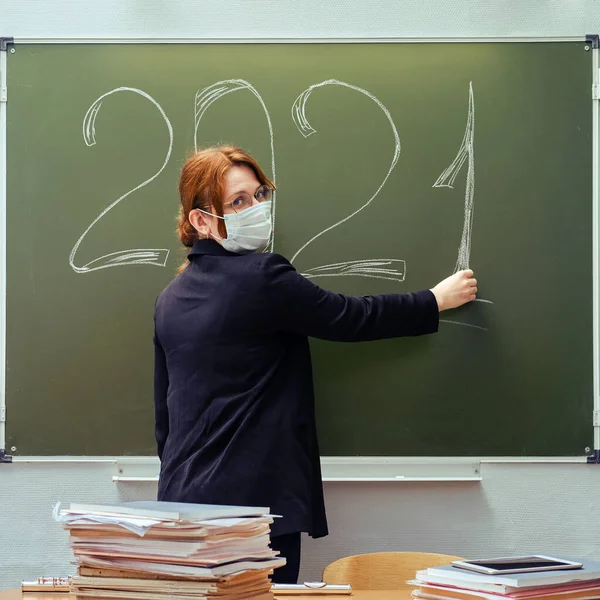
[456,290]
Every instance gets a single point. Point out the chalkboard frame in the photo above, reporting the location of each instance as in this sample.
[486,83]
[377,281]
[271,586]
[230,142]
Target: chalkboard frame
[388,466]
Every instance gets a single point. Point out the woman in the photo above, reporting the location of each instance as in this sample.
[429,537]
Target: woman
[235,417]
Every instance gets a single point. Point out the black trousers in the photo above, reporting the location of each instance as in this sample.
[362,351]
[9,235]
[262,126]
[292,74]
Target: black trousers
[287,545]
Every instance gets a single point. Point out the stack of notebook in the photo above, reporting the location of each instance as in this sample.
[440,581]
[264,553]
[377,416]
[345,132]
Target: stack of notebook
[452,583]
[153,550]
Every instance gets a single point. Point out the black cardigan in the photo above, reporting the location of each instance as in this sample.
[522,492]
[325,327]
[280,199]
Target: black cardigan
[235,415]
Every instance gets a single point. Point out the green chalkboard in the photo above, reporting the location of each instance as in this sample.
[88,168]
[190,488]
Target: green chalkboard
[394,164]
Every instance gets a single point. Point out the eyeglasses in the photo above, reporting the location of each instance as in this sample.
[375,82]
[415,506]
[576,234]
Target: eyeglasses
[243,200]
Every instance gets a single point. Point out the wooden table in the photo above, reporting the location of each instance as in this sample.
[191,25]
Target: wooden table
[356,595]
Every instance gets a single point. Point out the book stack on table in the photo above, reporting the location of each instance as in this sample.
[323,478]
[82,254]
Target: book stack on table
[153,550]
[450,583]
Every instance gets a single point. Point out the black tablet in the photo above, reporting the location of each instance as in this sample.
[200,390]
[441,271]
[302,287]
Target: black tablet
[516,564]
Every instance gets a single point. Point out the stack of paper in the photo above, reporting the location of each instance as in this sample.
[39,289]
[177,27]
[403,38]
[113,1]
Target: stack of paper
[151,550]
[452,583]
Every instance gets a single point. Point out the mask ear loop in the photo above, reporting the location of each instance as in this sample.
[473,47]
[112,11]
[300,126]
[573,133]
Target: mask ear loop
[210,233]
[207,213]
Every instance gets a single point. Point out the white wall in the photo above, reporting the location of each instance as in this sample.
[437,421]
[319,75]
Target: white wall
[517,508]
[296,18]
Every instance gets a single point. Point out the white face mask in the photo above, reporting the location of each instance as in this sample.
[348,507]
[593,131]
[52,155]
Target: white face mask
[247,231]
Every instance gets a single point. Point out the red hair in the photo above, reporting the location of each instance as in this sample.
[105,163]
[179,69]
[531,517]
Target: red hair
[202,185]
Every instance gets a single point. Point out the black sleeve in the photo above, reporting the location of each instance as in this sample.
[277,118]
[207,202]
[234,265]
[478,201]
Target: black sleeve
[161,385]
[297,305]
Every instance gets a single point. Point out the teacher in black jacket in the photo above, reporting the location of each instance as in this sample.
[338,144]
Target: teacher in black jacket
[235,416]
